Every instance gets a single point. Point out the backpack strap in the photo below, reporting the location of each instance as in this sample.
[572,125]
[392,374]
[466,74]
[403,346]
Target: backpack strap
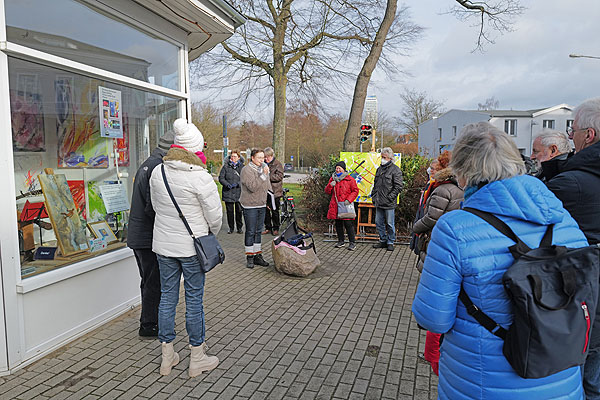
[480,316]
[518,249]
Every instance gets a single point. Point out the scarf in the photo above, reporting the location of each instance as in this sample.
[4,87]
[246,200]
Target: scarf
[200,154]
[337,179]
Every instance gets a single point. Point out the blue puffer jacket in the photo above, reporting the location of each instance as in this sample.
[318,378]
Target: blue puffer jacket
[466,249]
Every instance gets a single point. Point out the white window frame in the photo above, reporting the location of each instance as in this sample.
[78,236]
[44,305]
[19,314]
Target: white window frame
[440,134]
[454,131]
[510,127]
[548,123]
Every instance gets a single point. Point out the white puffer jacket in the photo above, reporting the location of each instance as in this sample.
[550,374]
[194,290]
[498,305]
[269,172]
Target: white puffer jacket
[197,196]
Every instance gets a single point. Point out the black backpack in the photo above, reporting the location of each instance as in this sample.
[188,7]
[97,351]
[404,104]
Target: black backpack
[554,294]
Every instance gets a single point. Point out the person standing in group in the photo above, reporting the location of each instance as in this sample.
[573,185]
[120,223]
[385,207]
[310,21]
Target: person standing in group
[550,150]
[577,185]
[198,197]
[466,251]
[417,242]
[276,178]
[139,239]
[229,177]
[255,185]
[342,187]
[386,188]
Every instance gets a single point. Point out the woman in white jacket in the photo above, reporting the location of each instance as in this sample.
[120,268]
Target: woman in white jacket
[198,197]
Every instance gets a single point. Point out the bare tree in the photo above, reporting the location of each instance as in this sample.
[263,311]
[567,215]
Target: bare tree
[488,16]
[395,27]
[489,104]
[294,47]
[417,108]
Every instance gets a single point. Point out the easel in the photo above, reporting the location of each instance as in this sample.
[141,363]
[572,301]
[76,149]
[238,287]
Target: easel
[366,219]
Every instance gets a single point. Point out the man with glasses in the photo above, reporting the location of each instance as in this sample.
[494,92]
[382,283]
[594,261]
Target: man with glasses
[578,187]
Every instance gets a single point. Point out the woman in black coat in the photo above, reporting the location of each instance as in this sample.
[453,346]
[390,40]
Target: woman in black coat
[229,177]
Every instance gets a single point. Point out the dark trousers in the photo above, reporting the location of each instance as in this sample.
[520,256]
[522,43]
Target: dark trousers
[272,216]
[339,229]
[254,218]
[230,207]
[150,285]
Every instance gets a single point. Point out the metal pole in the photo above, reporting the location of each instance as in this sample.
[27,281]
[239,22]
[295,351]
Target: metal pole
[225,139]
[373,137]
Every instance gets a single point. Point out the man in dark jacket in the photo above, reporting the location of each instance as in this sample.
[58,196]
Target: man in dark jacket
[577,186]
[550,150]
[386,188]
[276,177]
[139,238]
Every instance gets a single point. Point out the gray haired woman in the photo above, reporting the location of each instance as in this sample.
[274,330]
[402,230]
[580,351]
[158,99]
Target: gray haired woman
[465,251]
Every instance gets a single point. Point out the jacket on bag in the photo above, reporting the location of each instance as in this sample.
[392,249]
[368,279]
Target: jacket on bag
[387,186]
[445,196]
[198,197]
[230,175]
[255,185]
[464,249]
[578,187]
[141,214]
[276,176]
[345,189]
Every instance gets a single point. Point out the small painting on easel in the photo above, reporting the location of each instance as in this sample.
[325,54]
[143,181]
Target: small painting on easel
[68,229]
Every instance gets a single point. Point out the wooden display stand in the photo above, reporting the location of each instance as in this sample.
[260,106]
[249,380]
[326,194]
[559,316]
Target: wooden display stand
[366,219]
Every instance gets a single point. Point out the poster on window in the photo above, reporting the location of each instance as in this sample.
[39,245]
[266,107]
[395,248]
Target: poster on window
[110,113]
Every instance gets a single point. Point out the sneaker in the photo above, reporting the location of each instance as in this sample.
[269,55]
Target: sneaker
[239,230]
[352,246]
[265,231]
[259,260]
[275,232]
[148,331]
[229,231]
[339,244]
[380,245]
[390,247]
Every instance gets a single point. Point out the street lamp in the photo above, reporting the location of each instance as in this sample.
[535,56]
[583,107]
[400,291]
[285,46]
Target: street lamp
[582,56]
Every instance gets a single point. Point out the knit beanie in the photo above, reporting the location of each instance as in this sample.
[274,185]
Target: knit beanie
[188,136]
[341,164]
[166,140]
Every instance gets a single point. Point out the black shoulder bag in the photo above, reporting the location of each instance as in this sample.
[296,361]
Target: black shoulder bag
[207,247]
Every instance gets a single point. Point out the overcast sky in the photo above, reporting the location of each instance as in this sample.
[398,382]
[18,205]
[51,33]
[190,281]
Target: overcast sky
[525,69]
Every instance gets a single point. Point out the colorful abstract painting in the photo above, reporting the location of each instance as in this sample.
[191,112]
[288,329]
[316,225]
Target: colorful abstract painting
[77,188]
[69,230]
[122,145]
[27,120]
[77,124]
[97,210]
[366,165]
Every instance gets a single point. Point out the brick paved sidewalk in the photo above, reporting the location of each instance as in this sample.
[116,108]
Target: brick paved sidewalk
[346,332]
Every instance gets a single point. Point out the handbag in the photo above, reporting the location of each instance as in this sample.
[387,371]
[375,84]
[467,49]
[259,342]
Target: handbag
[209,251]
[344,211]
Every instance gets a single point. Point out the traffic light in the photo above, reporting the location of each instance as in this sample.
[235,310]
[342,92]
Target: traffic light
[365,132]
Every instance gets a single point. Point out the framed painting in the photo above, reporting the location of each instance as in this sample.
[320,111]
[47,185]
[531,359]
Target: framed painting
[101,230]
[68,228]
[27,120]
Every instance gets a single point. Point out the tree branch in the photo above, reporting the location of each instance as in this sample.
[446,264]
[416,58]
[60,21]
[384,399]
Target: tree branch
[248,60]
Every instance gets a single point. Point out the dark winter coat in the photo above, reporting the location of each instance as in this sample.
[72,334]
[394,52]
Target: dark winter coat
[553,167]
[345,189]
[578,187]
[387,186]
[141,214]
[229,178]
[276,176]
[445,197]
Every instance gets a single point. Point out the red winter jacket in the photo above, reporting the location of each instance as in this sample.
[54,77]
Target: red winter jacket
[345,189]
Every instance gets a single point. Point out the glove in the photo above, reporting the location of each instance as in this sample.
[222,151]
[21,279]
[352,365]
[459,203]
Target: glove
[346,202]
[332,183]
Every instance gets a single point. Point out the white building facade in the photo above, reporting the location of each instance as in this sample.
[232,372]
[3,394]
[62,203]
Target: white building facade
[57,58]
[439,134]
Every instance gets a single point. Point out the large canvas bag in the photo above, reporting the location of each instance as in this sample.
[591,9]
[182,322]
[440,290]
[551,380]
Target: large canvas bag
[209,251]
[344,211]
[554,294]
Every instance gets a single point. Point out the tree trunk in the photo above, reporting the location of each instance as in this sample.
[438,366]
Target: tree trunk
[351,140]
[279,114]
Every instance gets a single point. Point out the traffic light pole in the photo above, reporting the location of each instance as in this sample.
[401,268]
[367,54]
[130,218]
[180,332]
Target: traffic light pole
[373,135]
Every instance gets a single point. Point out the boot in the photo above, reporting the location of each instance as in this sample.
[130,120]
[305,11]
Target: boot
[169,358]
[200,361]
[259,260]
[249,261]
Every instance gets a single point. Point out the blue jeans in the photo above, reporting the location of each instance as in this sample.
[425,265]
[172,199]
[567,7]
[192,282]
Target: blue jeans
[254,218]
[171,269]
[384,221]
[591,375]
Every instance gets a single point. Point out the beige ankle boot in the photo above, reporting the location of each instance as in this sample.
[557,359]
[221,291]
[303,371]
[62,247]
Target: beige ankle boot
[169,358]
[201,362]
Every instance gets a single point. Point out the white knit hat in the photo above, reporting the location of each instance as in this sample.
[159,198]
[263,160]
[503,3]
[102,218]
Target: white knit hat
[188,136]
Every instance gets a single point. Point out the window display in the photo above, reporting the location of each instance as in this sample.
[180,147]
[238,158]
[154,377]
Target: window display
[67,175]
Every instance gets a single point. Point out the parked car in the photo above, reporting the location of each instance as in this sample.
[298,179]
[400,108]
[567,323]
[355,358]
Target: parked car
[288,167]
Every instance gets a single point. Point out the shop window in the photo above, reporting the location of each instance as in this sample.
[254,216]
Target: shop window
[79,32]
[58,121]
